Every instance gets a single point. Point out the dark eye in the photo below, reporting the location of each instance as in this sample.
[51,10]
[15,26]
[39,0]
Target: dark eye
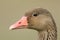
[35,14]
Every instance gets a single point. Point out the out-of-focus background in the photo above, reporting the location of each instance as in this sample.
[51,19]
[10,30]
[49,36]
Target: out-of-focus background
[13,10]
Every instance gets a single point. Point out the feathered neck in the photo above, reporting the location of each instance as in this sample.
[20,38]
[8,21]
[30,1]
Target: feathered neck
[50,34]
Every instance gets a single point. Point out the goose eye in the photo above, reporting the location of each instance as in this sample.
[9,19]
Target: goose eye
[35,14]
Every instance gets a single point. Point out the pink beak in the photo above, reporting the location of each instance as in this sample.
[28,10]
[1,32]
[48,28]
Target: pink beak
[19,24]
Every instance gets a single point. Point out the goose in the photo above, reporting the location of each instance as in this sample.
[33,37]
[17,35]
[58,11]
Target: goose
[38,19]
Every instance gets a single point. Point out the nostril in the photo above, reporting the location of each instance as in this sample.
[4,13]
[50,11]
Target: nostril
[19,23]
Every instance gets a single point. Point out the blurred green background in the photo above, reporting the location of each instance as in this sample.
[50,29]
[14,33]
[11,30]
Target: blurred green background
[13,10]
